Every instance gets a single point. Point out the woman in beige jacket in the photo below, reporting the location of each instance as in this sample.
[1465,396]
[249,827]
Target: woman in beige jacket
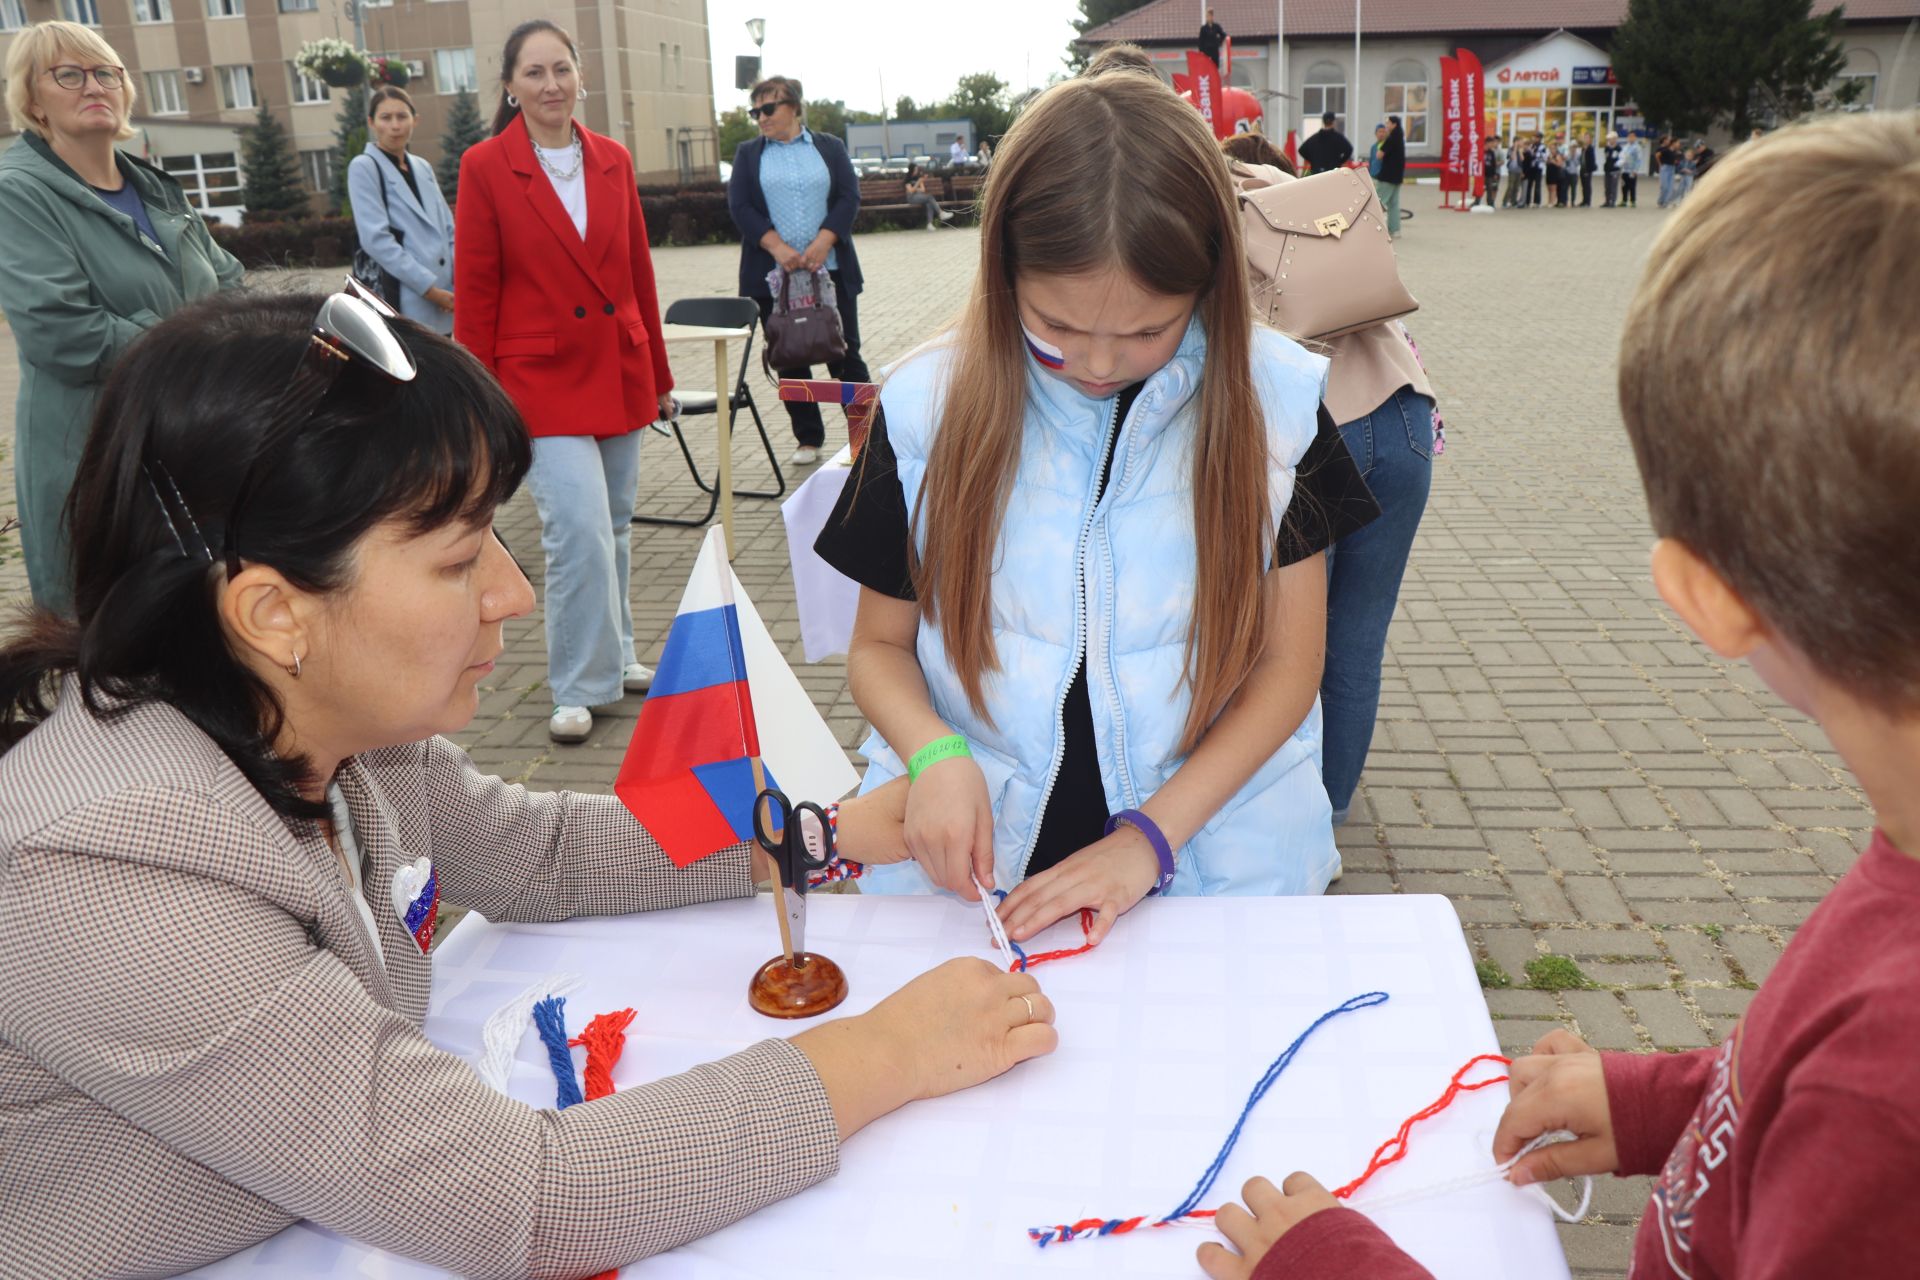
[287,587]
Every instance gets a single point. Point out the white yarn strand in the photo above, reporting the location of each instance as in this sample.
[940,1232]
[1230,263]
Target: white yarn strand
[998,930]
[1369,1204]
[500,1037]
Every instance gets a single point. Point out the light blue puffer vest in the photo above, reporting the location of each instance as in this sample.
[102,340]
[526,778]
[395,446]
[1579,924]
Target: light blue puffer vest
[1275,835]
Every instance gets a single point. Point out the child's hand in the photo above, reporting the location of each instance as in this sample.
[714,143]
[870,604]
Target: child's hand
[949,826]
[1560,1086]
[1274,1213]
[1109,875]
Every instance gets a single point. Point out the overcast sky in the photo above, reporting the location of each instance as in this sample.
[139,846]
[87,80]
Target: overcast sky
[841,48]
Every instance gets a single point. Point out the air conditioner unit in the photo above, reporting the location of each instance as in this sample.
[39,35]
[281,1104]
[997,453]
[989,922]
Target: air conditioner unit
[416,68]
[194,75]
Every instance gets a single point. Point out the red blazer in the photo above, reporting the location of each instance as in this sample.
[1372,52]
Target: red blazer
[571,329]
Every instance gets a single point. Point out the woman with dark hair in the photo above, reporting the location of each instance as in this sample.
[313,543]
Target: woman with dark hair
[230,819]
[793,195]
[399,214]
[556,291]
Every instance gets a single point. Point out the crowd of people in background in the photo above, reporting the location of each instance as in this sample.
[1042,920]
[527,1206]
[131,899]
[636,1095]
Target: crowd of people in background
[1556,171]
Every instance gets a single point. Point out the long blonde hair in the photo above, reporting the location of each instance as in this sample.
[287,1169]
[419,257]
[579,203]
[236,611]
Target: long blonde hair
[1102,172]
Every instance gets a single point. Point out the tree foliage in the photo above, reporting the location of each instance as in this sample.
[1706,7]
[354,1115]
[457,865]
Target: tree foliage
[273,187]
[736,127]
[1094,13]
[464,128]
[350,139]
[1691,64]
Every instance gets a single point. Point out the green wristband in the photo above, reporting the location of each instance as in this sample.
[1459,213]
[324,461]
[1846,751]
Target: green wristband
[934,752]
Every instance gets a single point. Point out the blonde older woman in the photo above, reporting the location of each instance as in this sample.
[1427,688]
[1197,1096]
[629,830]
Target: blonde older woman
[99,246]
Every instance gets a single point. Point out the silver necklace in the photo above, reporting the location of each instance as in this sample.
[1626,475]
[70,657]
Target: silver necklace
[579,158]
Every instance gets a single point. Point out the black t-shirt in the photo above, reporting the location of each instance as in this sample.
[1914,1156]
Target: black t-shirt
[868,537]
[405,171]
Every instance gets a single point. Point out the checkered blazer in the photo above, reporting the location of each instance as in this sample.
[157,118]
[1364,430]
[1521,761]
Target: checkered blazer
[199,1047]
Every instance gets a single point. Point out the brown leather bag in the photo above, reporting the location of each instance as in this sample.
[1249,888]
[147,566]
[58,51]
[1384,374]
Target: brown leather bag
[801,336]
[1318,254]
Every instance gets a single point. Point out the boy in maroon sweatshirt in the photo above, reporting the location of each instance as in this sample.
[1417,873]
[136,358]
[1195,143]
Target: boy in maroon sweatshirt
[1770,381]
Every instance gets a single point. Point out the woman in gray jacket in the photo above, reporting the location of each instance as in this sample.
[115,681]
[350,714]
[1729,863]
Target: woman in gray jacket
[403,221]
[97,248]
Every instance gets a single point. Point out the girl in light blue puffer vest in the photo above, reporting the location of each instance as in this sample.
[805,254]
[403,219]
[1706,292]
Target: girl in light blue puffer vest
[1093,612]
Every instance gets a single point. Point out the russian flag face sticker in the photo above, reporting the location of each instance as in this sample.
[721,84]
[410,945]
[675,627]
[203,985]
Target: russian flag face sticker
[1043,351]
[416,900]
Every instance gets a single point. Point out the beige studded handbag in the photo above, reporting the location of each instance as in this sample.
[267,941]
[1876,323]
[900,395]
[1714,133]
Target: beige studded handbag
[1318,255]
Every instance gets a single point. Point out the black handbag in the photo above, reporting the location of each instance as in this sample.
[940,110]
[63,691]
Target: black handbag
[802,336]
[370,273]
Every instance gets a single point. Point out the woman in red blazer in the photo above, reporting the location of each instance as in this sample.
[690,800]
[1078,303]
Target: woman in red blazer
[556,294]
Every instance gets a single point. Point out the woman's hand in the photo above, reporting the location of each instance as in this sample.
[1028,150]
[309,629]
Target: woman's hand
[1559,1086]
[667,407]
[872,828]
[1109,875]
[949,825]
[1274,1212]
[815,256]
[949,1029]
[441,298]
[788,257]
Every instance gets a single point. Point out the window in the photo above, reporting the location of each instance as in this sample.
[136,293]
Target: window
[163,94]
[13,15]
[306,90]
[1869,84]
[236,88]
[211,180]
[153,10]
[226,8]
[453,70]
[85,12]
[318,166]
[1407,98]
[663,62]
[299,6]
[1325,90]
[679,73]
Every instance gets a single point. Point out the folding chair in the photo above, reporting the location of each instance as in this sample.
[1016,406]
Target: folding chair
[718,313]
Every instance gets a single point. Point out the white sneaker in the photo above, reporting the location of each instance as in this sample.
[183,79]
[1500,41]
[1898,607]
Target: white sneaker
[946,215]
[570,724]
[637,678]
[805,456]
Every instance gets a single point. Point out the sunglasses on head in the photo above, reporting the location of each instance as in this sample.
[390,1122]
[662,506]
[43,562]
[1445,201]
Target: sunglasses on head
[350,325]
[767,109]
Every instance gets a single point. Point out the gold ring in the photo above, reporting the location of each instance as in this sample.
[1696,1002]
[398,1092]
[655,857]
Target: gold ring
[1031,1015]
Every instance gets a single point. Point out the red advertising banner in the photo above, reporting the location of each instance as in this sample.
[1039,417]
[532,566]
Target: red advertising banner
[1453,158]
[1205,80]
[1473,105]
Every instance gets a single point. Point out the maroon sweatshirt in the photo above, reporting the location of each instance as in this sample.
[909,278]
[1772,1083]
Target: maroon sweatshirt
[1792,1150]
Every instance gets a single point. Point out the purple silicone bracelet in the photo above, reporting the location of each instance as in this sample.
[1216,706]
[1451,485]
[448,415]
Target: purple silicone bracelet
[1161,849]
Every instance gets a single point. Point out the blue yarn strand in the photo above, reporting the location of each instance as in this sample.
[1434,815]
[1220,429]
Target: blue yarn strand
[1279,1065]
[550,1019]
[1019,952]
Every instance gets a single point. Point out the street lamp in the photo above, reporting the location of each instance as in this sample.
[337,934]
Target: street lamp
[757,29]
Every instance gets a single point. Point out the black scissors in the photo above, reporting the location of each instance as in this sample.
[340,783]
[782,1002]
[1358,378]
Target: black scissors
[802,841]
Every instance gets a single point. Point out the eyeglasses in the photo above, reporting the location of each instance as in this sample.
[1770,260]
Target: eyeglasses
[351,325]
[767,109]
[72,77]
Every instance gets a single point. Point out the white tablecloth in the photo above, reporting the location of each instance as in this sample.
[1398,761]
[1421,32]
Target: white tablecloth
[826,597]
[1164,1029]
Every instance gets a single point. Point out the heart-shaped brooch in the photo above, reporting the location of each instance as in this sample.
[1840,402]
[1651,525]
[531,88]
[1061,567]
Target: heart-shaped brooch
[416,900]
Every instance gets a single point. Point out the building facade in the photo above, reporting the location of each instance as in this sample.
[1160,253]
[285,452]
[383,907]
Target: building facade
[1547,66]
[203,67]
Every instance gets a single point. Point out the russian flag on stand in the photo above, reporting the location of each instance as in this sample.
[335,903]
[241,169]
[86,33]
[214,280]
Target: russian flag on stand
[688,773]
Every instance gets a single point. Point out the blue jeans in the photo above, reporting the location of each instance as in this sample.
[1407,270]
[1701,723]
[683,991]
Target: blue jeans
[1393,447]
[583,487]
[1666,185]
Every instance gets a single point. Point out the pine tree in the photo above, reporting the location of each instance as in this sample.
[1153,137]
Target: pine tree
[464,128]
[350,130]
[1691,64]
[272,187]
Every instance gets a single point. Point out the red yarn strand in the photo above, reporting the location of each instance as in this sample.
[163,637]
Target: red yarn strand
[604,1038]
[1394,1149]
[1022,963]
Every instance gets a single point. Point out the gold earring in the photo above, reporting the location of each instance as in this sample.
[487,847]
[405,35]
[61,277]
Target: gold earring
[294,669]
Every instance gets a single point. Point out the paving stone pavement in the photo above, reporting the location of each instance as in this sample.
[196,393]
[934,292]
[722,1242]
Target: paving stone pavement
[1554,754]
